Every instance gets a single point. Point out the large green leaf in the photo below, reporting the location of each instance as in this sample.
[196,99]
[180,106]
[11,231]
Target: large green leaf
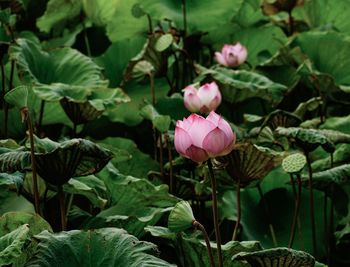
[201,15]
[61,70]
[129,160]
[325,15]
[191,249]
[239,85]
[101,247]
[12,244]
[12,221]
[113,13]
[327,61]
[57,13]
[160,122]
[12,179]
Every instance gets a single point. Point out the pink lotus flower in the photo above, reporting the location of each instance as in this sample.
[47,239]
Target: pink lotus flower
[232,55]
[204,99]
[199,139]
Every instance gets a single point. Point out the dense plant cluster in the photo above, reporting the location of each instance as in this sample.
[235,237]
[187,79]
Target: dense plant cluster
[175,133]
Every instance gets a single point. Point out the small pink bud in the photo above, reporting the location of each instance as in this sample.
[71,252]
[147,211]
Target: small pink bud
[199,139]
[232,55]
[204,99]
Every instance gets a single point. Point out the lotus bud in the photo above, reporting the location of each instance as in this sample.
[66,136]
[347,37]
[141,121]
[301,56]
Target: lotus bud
[232,55]
[181,217]
[204,99]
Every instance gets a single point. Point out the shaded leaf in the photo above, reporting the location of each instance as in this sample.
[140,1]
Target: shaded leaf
[248,164]
[160,122]
[282,257]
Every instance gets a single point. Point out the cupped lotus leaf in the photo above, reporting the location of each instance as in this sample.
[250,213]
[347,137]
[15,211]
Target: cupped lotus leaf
[150,58]
[102,247]
[160,122]
[307,139]
[310,105]
[340,156]
[239,85]
[12,244]
[192,248]
[181,217]
[294,163]
[336,137]
[281,257]
[248,164]
[58,13]
[72,158]
[18,97]
[11,221]
[281,118]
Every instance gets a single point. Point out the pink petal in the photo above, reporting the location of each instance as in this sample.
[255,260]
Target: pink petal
[191,100]
[229,148]
[215,102]
[214,118]
[200,127]
[220,58]
[215,142]
[197,154]
[226,128]
[182,140]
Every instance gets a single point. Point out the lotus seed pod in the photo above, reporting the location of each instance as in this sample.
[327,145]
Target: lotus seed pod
[18,97]
[181,217]
[294,163]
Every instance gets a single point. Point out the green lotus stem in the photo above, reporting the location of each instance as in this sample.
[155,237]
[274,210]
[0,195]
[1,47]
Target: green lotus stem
[62,207]
[150,27]
[86,40]
[266,209]
[184,16]
[70,202]
[238,221]
[170,159]
[41,114]
[26,115]
[296,213]
[290,23]
[215,212]
[199,226]
[312,205]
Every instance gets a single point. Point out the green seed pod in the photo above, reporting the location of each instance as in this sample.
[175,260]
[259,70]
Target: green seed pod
[294,163]
[17,97]
[181,217]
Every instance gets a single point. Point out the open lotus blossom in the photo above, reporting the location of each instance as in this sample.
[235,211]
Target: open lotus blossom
[199,139]
[232,55]
[204,99]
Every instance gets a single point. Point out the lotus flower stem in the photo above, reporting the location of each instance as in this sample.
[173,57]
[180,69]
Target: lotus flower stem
[266,209]
[170,159]
[312,205]
[296,212]
[32,157]
[161,160]
[291,23]
[62,207]
[3,91]
[198,225]
[215,212]
[238,222]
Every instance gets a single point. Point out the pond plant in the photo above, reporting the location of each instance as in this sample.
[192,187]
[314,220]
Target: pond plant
[175,133]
